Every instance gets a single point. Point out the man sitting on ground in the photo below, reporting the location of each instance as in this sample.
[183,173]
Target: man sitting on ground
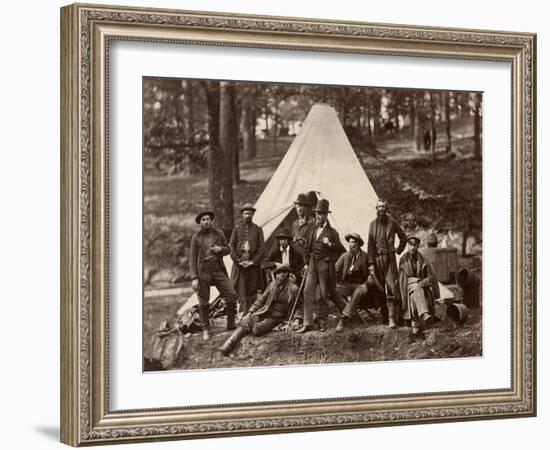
[268,311]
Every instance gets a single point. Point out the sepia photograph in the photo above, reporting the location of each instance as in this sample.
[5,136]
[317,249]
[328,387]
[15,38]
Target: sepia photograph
[298,224]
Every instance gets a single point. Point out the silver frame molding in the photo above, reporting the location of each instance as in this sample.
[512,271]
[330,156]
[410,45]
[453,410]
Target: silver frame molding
[86,31]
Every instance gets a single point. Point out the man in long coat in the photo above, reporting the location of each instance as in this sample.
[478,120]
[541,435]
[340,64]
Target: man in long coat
[419,288]
[382,256]
[354,279]
[322,249]
[247,244]
[268,311]
[208,247]
[302,224]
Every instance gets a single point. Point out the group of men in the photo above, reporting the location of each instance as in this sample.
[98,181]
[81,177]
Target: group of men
[310,268]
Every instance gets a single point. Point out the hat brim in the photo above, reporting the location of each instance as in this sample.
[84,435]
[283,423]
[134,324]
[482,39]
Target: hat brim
[282,270]
[201,215]
[322,211]
[413,239]
[357,238]
[248,209]
[283,236]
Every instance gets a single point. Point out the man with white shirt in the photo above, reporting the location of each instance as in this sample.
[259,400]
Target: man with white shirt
[322,249]
[284,253]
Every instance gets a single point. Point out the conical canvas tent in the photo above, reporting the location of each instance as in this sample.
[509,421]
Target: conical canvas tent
[320,159]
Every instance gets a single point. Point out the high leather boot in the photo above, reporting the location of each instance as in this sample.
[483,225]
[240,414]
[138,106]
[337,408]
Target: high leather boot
[231,310]
[205,321]
[232,341]
[391,315]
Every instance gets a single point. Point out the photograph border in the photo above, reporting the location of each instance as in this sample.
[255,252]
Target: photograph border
[86,32]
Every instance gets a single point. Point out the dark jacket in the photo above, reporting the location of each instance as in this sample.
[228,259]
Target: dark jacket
[294,257]
[316,249]
[255,240]
[344,261]
[197,254]
[393,228]
[275,302]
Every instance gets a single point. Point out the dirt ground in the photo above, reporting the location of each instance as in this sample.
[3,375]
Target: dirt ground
[358,343]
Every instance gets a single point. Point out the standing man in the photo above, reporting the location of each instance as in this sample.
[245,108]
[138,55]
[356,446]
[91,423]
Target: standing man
[382,259]
[268,311]
[247,243]
[302,224]
[322,248]
[354,279]
[419,289]
[208,247]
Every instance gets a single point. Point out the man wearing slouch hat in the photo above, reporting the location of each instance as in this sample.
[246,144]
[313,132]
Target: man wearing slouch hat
[269,310]
[247,246]
[208,247]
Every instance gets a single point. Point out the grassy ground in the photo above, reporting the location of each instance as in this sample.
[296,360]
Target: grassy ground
[357,343]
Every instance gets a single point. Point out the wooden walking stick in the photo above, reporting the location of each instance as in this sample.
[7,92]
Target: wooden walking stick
[295,303]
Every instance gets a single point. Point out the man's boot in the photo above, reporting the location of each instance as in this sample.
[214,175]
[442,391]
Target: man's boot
[232,341]
[341,323]
[205,321]
[230,309]
[391,315]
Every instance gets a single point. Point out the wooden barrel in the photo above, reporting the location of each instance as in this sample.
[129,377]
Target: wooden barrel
[444,261]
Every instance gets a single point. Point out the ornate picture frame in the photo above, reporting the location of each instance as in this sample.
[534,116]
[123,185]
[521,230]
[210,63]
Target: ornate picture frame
[86,34]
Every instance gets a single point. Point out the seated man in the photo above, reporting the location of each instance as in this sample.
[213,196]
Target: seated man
[353,278]
[268,311]
[284,253]
[419,289]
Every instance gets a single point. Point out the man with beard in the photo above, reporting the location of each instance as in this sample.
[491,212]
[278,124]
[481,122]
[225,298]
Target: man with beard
[322,248]
[382,259]
[247,243]
[208,247]
[354,280]
[268,311]
[419,289]
[302,224]
[283,253]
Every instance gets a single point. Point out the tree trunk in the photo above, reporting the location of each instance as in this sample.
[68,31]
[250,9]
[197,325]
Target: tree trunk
[377,107]
[229,131]
[236,155]
[477,127]
[412,124]
[369,128]
[220,174]
[188,122]
[248,126]
[432,121]
[275,125]
[447,107]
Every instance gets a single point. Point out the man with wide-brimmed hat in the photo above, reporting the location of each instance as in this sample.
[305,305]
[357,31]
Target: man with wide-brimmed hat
[247,246]
[322,249]
[419,288]
[268,311]
[284,253]
[354,279]
[302,224]
[382,257]
[208,247]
